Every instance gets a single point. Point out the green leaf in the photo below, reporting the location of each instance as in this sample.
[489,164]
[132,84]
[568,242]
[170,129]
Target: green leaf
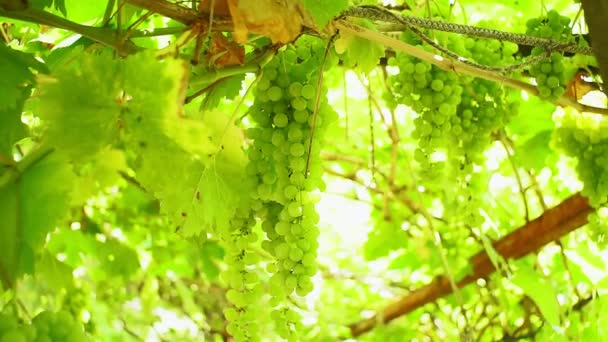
[228,89]
[16,75]
[11,127]
[57,4]
[117,259]
[81,109]
[53,273]
[211,254]
[535,116]
[534,152]
[103,171]
[93,11]
[222,190]
[323,11]
[30,207]
[384,238]
[541,292]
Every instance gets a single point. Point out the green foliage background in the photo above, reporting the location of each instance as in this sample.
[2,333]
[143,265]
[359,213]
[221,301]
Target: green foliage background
[111,191]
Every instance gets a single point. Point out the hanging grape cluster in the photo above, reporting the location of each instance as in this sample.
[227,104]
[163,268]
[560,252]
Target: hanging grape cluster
[587,141]
[550,74]
[245,287]
[47,326]
[282,123]
[456,113]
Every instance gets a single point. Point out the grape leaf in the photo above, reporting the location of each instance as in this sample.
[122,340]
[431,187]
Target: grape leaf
[206,155]
[210,254]
[16,75]
[81,110]
[116,258]
[534,152]
[31,206]
[538,116]
[53,273]
[384,238]
[57,4]
[323,11]
[539,290]
[219,195]
[228,89]
[11,127]
[100,173]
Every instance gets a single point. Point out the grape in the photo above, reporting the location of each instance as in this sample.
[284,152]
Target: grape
[281,118]
[300,116]
[585,141]
[308,91]
[295,89]
[294,209]
[295,133]
[549,74]
[295,254]
[275,93]
[299,103]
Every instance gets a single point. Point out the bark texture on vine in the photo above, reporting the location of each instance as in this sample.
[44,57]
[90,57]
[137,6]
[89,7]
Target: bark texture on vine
[553,224]
[595,16]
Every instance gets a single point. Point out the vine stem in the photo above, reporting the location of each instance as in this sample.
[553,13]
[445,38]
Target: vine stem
[456,66]
[103,35]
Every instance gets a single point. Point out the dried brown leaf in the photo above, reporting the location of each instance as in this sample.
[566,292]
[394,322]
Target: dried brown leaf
[279,20]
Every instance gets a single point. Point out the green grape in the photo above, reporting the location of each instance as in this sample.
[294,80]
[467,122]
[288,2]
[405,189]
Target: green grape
[297,149]
[308,259]
[282,227]
[296,254]
[290,191]
[295,89]
[300,116]
[550,73]
[275,93]
[308,91]
[437,85]
[294,209]
[280,120]
[294,133]
[299,103]
[282,251]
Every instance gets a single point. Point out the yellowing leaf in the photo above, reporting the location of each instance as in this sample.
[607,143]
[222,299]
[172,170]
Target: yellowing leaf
[281,21]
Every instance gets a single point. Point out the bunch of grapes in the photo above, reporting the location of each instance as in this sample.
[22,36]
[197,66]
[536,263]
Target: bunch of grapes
[282,120]
[245,288]
[46,326]
[582,139]
[433,93]
[455,113]
[550,74]
[482,111]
